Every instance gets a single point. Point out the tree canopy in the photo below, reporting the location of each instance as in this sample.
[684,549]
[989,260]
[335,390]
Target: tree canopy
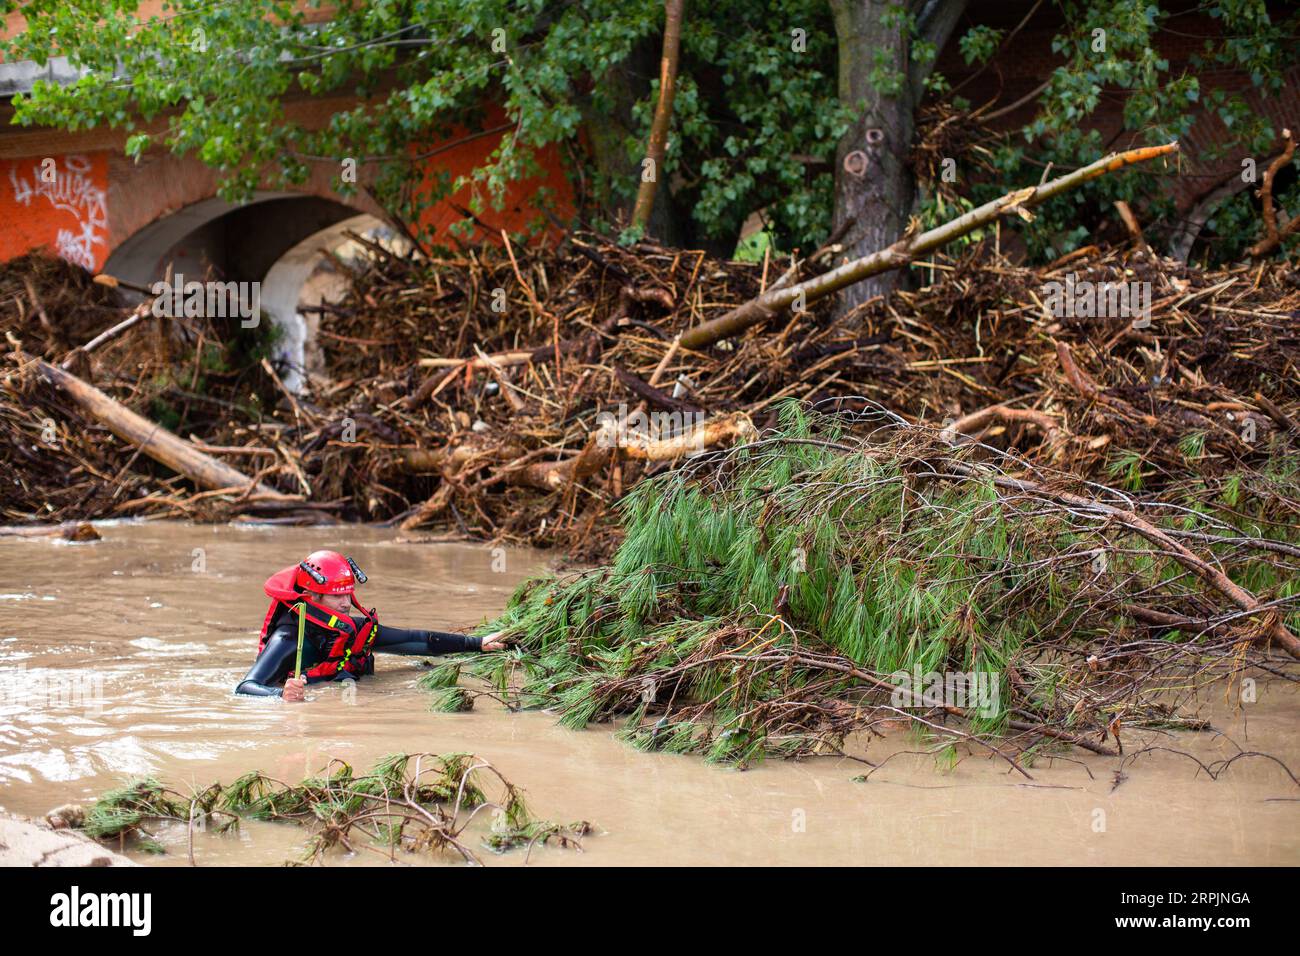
[759,111]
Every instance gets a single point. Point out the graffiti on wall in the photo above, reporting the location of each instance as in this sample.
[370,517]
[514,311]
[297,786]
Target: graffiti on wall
[59,203]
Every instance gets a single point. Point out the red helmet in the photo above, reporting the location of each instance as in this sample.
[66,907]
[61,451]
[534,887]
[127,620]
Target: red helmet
[328,572]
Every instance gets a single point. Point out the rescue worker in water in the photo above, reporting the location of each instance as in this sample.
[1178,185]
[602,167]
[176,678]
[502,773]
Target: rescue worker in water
[337,644]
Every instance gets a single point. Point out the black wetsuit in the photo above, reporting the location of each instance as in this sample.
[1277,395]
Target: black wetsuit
[276,662]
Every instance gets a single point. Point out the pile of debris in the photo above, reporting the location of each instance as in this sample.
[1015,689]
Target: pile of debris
[94,393]
[516,394]
[1200,387]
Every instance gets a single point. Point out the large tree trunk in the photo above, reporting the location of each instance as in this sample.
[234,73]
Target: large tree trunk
[873,180]
[609,125]
[657,147]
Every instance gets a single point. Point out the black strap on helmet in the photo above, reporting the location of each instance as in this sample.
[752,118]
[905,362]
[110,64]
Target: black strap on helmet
[357,572]
[315,575]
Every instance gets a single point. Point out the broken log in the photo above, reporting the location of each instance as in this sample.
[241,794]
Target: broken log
[557,475]
[67,530]
[726,429]
[609,443]
[777,301]
[151,438]
[975,421]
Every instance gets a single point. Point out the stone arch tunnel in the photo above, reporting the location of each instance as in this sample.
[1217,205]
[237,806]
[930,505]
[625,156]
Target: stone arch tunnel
[278,240]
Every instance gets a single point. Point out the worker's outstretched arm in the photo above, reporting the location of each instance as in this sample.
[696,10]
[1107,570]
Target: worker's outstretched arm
[401,640]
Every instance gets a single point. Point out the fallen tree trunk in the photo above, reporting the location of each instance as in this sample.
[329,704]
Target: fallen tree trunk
[150,437]
[778,300]
[557,475]
[727,429]
[610,443]
[614,442]
[67,530]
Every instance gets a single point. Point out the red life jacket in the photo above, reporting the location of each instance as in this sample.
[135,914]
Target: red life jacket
[348,648]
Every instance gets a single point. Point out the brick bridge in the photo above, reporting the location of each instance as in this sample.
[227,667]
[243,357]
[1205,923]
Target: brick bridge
[77,195]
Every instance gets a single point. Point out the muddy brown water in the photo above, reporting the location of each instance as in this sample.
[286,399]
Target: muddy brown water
[119,657]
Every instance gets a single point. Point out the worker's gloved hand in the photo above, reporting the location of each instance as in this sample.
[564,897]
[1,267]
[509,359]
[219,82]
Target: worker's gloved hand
[493,642]
[295,688]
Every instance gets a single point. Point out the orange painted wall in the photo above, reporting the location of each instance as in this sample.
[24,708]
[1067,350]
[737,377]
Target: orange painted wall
[518,210]
[58,203]
[84,214]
